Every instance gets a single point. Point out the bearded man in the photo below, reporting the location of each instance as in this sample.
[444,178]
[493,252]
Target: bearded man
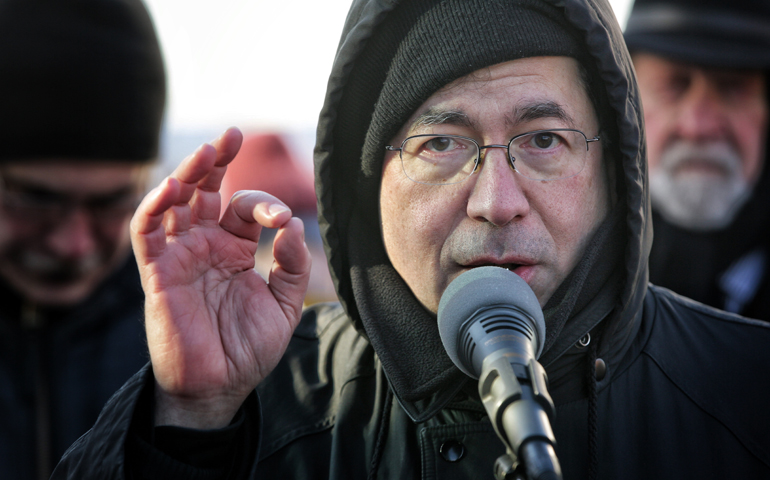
[702,72]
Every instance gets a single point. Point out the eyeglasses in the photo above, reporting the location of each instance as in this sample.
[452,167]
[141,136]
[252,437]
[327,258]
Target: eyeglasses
[539,155]
[41,206]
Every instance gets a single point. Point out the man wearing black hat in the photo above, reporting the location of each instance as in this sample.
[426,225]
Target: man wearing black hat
[459,137]
[83,96]
[702,70]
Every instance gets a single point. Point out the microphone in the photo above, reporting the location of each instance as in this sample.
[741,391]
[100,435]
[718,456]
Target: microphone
[492,327]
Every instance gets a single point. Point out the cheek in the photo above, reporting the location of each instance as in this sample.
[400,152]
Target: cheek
[750,130]
[575,210]
[413,223]
[16,235]
[656,130]
[118,238]
[112,239]
[416,222]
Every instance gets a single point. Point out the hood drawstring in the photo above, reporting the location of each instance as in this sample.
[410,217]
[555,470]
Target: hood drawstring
[593,428]
[382,435]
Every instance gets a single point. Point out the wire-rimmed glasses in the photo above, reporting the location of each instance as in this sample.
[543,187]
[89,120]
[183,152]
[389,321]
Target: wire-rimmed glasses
[442,159]
[41,206]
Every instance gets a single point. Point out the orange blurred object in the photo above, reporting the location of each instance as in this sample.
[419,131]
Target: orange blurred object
[266,163]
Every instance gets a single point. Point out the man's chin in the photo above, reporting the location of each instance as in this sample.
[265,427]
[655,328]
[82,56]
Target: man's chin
[699,202]
[55,293]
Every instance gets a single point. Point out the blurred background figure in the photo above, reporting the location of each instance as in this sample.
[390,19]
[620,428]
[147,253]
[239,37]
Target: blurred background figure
[702,67]
[266,163]
[83,97]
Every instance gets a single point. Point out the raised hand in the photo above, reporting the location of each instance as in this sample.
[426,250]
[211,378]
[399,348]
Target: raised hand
[215,328]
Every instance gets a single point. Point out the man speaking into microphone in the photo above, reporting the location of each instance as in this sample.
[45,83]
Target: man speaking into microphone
[456,134]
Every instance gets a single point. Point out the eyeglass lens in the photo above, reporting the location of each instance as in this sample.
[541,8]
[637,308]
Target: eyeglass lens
[45,206]
[539,155]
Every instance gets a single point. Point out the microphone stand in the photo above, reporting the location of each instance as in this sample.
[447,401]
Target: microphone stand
[518,404]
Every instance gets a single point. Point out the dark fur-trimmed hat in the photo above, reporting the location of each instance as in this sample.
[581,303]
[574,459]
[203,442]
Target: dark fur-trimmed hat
[81,79]
[717,33]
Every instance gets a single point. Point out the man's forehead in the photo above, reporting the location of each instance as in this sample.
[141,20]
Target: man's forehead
[527,89]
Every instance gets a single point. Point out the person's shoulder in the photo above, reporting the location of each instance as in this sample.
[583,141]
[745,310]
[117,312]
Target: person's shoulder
[673,308]
[719,361]
[100,452]
[685,328]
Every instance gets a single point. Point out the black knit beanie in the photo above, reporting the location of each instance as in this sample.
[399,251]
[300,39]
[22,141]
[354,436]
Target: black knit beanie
[441,41]
[81,79]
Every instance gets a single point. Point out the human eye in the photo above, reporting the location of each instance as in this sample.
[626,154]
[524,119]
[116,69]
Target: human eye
[111,200]
[117,203]
[548,154]
[677,85]
[438,148]
[545,140]
[32,203]
[440,144]
[38,198]
[541,142]
[438,159]
[739,88]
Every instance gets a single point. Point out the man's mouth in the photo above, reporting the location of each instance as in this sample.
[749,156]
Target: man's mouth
[54,271]
[524,270]
[701,167]
[508,266]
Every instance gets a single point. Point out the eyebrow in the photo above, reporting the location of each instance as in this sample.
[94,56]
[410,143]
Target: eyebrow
[521,114]
[31,186]
[435,116]
[538,110]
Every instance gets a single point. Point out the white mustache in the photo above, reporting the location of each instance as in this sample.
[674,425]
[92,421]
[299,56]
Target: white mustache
[719,154]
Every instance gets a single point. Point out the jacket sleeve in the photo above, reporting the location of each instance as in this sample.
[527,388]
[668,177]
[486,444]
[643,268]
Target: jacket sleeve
[123,445]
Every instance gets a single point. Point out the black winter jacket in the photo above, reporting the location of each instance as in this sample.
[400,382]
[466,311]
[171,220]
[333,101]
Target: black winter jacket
[59,367]
[674,407]
[365,389]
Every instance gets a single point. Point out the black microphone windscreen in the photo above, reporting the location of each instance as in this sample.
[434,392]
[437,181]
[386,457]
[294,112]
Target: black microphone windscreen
[479,288]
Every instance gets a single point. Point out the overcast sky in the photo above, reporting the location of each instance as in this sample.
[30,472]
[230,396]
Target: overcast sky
[257,64]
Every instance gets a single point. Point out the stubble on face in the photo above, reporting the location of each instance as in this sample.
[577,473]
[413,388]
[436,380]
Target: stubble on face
[496,217]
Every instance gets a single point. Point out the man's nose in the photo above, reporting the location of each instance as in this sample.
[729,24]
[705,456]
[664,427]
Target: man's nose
[73,237]
[701,113]
[497,196]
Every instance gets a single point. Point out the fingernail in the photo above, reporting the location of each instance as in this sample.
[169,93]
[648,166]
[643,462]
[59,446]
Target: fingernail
[277,209]
[220,137]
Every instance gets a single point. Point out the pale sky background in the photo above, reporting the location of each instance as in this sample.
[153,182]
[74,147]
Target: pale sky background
[255,64]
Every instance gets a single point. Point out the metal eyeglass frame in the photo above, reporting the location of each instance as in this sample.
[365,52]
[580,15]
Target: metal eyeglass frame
[511,158]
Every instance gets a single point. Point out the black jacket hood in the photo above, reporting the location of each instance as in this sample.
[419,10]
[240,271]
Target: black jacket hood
[373,294]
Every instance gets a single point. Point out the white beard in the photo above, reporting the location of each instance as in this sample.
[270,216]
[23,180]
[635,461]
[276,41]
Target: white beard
[696,200]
